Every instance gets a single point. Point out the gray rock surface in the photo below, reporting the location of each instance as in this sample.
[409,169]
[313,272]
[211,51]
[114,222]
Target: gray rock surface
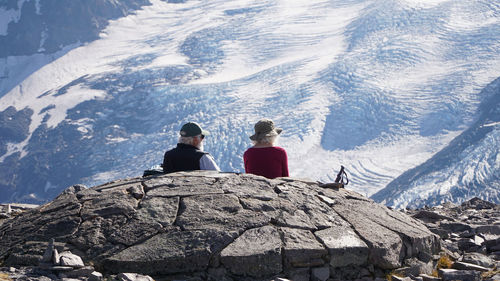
[344,246]
[462,275]
[219,226]
[301,248]
[256,253]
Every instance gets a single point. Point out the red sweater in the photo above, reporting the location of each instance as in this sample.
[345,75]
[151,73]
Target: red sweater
[270,162]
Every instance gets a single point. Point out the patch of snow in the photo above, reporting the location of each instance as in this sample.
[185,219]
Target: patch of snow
[491,124]
[105,176]
[38,7]
[425,4]
[44,37]
[112,140]
[48,186]
[7,16]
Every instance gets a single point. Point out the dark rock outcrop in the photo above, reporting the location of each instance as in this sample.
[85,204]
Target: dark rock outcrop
[14,127]
[49,25]
[219,226]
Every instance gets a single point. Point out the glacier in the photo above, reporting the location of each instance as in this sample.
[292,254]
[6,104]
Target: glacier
[377,86]
[468,167]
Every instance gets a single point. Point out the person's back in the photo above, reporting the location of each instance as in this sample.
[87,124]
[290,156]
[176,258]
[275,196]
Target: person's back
[188,155]
[184,157]
[265,159]
[270,162]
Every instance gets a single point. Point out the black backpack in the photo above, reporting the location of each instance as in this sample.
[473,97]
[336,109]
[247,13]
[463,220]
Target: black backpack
[340,182]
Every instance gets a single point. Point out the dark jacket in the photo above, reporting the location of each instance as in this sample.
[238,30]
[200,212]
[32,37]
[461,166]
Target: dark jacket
[182,158]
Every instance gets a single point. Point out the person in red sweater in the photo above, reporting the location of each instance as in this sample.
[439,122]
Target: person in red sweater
[263,158]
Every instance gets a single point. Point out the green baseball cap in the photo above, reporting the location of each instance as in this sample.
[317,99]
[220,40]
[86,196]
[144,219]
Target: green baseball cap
[192,129]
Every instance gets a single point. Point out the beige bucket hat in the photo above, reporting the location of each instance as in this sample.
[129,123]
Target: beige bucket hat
[265,128]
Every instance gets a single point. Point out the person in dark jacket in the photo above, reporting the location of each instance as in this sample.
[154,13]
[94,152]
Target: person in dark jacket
[264,158]
[189,154]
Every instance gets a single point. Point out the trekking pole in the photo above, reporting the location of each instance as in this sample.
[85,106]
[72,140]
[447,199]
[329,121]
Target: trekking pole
[340,177]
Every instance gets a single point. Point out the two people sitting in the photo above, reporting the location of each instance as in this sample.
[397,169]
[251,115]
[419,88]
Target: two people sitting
[263,158]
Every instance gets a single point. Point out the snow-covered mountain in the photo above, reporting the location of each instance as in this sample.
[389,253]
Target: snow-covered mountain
[469,166]
[51,27]
[378,86]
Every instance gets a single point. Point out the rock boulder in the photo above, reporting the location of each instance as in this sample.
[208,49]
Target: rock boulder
[218,226]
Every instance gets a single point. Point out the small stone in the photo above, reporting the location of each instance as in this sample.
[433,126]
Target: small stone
[440,232]
[425,257]
[70,259]
[488,229]
[299,274]
[468,266]
[478,240]
[364,272]
[137,191]
[467,244]
[74,189]
[47,255]
[397,278]
[95,276]
[133,277]
[218,273]
[477,204]
[455,226]
[85,271]
[467,234]
[56,258]
[60,268]
[463,275]
[407,270]
[320,273]
[426,277]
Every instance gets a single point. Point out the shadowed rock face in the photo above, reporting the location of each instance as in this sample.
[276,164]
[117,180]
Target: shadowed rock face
[217,225]
[56,23]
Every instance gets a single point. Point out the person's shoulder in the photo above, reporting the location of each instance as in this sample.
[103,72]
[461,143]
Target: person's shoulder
[251,149]
[279,148]
[170,150]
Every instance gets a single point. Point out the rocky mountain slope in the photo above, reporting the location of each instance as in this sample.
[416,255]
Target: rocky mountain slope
[470,234]
[468,167]
[219,226]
